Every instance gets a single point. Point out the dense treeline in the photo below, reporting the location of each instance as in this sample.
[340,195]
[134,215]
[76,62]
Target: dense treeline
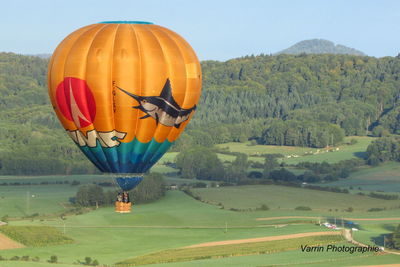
[306,100]
[298,133]
[203,164]
[383,149]
[150,189]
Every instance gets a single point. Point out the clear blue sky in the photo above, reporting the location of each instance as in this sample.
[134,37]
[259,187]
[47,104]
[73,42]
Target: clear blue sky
[217,29]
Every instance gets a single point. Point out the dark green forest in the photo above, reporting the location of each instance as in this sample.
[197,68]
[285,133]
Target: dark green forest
[301,100]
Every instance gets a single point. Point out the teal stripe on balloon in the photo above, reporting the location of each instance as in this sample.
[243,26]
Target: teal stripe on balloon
[133,157]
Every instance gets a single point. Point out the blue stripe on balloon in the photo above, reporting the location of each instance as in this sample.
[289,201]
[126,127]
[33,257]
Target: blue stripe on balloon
[112,158]
[133,157]
[92,158]
[128,183]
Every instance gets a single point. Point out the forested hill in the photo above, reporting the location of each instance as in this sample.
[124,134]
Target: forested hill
[355,93]
[308,100]
[320,46]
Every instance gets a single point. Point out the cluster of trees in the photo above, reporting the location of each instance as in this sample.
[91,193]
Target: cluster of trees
[302,133]
[203,163]
[393,240]
[383,196]
[267,132]
[150,189]
[383,149]
[332,171]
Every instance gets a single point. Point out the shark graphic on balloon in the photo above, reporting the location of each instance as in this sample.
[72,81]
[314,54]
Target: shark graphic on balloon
[162,108]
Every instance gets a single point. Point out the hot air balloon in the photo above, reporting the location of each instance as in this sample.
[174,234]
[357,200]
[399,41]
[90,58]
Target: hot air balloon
[124,91]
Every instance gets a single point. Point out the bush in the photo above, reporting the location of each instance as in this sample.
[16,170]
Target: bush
[88,260]
[349,209]
[302,208]
[25,258]
[75,182]
[375,209]
[53,259]
[263,207]
[353,141]
[4,218]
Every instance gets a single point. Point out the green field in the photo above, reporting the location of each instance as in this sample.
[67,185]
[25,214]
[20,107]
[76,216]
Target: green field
[288,198]
[223,251]
[290,258]
[19,201]
[382,178]
[27,200]
[178,220]
[374,233]
[294,155]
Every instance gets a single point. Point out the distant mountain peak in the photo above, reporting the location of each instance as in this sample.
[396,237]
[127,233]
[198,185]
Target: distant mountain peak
[320,46]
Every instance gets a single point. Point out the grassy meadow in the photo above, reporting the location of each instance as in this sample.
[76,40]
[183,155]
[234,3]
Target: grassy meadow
[385,177]
[294,155]
[288,198]
[174,222]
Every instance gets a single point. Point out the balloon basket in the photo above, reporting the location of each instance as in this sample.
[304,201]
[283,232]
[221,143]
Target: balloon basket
[122,207]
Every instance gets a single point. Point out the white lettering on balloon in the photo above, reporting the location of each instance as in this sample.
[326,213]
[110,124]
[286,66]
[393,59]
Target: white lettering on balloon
[106,139]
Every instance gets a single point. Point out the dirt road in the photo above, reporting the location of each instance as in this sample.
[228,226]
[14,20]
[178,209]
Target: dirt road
[7,243]
[262,239]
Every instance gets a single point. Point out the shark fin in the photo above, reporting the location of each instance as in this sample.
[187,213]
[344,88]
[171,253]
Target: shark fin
[166,94]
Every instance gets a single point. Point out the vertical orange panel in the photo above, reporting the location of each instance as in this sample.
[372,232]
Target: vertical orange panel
[176,74]
[126,75]
[99,76]
[154,73]
[76,63]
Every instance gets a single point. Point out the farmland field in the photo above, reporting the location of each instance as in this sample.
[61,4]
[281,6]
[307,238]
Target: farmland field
[382,178]
[294,155]
[177,221]
[283,197]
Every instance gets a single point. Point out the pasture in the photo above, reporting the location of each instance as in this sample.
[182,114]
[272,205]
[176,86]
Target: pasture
[288,198]
[294,155]
[229,250]
[178,221]
[175,221]
[385,177]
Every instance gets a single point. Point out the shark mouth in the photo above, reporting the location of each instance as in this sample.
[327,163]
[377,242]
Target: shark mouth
[162,108]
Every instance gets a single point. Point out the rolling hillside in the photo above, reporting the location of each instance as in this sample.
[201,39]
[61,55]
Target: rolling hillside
[257,97]
[320,46]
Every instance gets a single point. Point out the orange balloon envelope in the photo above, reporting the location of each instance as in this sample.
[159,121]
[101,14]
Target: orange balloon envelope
[124,91]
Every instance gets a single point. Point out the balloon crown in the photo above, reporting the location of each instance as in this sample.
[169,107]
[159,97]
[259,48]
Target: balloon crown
[126,22]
